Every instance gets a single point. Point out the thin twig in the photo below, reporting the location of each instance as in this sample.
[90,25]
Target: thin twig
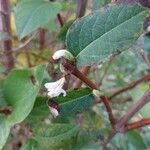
[25,43]
[109,138]
[61,22]
[112,57]
[41,39]
[120,125]
[81,8]
[28,58]
[6,44]
[138,124]
[85,71]
[131,85]
[109,110]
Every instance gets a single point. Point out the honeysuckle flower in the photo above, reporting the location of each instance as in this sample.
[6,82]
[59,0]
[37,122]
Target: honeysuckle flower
[63,53]
[54,107]
[56,88]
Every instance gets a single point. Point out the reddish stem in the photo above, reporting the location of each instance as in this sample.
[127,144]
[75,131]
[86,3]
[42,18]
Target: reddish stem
[120,125]
[60,20]
[5,28]
[72,69]
[138,124]
[109,110]
[69,66]
[81,7]
[41,39]
[85,71]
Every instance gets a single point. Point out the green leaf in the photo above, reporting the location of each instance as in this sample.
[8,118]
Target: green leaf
[32,14]
[135,141]
[52,136]
[3,102]
[105,32]
[97,4]
[75,101]
[50,26]
[131,140]
[40,110]
[20,89]
[4,131]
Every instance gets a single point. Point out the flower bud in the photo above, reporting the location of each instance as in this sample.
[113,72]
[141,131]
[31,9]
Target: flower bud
[97,93]
[63,53]
[54,107]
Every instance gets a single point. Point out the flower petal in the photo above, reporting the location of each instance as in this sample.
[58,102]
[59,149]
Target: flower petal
[56,92]
[59,83]
[63,53]
[54,111]
[58,54]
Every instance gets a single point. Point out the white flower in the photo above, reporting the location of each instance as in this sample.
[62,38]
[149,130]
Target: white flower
[56,88]
[63,53]
[54,111]
[148,28]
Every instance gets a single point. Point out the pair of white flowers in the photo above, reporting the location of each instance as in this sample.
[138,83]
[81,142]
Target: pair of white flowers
[56,88]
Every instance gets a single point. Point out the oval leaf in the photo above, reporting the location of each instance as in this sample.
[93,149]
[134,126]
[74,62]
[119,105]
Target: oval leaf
[105,32]
[75,101]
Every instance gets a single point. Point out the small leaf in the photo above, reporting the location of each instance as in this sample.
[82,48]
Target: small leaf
[75,101]
[104,32]
[32,14]
[52,136]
